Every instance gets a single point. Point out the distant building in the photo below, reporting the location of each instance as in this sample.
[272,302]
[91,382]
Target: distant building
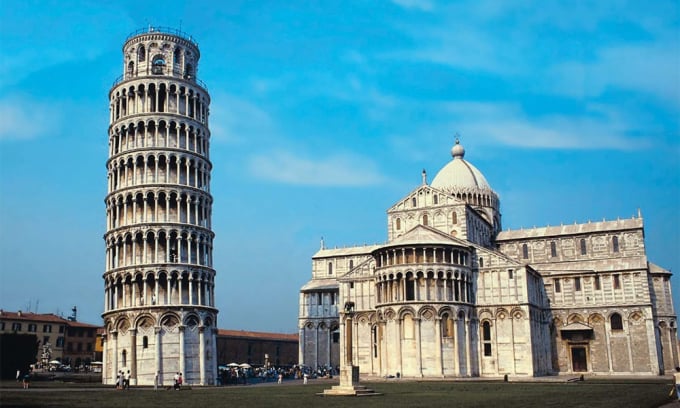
[257,348]
[450,294]
[81,341]
[70,342]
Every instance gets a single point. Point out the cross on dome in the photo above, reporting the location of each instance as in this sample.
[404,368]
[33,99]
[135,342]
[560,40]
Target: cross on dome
[458,150]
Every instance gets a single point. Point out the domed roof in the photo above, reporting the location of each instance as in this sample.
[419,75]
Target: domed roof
[459,174]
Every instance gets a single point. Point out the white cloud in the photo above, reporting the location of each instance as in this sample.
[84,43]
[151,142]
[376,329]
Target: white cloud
[22,118]
[600,127]
[653,70]
[589,48]
[334,170]
[233,119]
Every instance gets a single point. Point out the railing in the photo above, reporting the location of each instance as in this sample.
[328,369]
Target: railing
[163,30]
[124,77]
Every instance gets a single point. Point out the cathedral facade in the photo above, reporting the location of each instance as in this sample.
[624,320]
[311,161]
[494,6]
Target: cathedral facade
[450,294]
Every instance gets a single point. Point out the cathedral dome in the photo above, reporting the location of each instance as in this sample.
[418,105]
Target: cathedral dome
[459,174]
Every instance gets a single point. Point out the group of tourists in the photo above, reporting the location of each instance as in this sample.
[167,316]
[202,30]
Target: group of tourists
[178,381]
[123,380]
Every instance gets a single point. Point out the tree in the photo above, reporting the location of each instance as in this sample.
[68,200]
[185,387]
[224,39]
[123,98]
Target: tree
[17,352]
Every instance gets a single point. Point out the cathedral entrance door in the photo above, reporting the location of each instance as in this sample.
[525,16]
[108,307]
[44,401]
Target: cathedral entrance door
[579,362]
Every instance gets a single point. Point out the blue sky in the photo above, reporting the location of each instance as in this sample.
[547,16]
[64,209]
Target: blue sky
[324,115]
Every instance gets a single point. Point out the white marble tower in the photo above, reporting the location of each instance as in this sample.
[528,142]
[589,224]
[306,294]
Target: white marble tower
[159,309]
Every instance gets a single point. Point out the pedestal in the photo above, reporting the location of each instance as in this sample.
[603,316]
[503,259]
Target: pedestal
[349,385]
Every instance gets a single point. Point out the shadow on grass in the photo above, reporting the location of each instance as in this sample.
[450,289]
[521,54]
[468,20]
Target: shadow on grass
[634,394]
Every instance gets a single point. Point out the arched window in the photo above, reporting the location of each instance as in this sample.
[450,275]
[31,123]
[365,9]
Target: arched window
[351,263]
[616,321]
[436,199]
[454,218]
[615,244]
[189,71]
[124,357]
[425,219]
[553,249]
[141,54]
[486,338]
[330,268]
[413,201]
[525,251]
[145,342]
[398,222]
[176,55]
[583,247]
[481,262]
[558,286]
[410,288]
[130,68]
[158,65]
[447,325]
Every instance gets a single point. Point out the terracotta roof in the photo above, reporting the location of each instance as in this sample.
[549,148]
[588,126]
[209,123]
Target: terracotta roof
[84,325]
[258,335]
[32,317]
[42,318]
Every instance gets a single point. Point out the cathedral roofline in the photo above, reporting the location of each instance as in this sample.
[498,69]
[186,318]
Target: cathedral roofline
[656,269]
[573,229]
[320,285]
[345,251]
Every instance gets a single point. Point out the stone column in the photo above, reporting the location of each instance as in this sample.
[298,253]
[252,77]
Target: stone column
[114,352]
[157,332]
[133,356]
[105,345]
[439,367]
[201,353]
[456,347]
[419,351]
[191,290]
[181,349]
[301,343]
[468,368]
[398,351]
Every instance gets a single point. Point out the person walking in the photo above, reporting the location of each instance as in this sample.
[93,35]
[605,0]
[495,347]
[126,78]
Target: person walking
[676,376]
[304,378]
[27,380]
[176,380]
[126,382]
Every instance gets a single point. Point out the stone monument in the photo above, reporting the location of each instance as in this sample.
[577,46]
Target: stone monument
[349,373]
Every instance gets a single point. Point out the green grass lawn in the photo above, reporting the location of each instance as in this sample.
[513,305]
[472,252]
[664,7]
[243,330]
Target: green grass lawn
[591,393]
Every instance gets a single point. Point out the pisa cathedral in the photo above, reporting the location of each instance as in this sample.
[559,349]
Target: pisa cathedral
[159,308]
[451,294]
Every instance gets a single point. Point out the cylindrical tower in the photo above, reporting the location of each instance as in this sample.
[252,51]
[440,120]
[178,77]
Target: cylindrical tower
[159,308]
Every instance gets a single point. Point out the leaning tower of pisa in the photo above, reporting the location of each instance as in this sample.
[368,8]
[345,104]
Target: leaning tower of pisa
[159,308]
